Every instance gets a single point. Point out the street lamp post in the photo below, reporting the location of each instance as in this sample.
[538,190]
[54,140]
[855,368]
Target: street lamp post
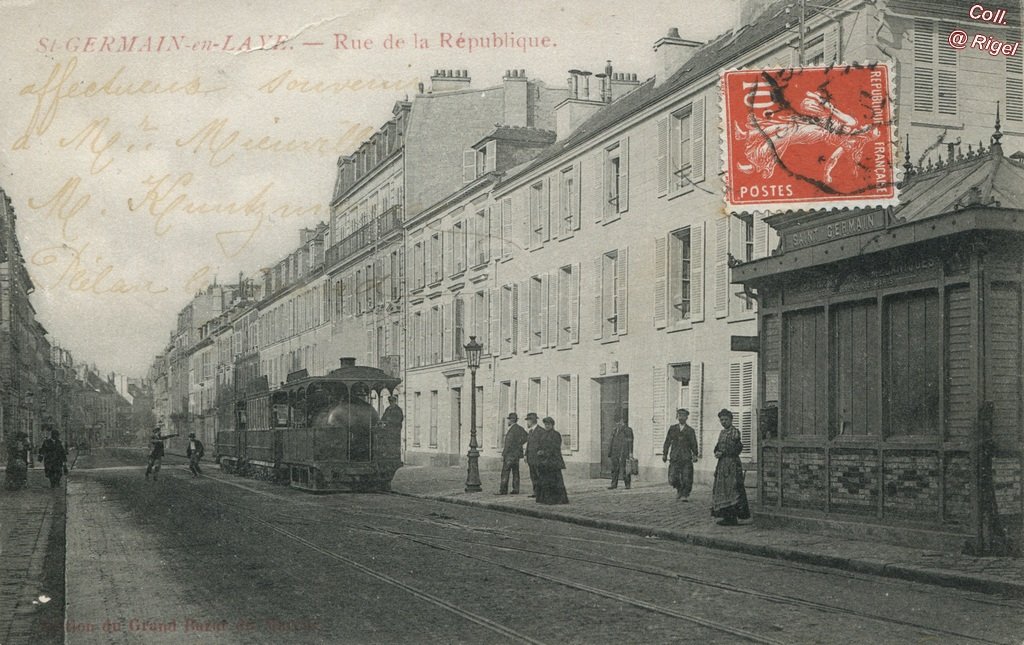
[473,350]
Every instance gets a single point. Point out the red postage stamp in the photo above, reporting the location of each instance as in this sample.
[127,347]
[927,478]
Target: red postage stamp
[808,138]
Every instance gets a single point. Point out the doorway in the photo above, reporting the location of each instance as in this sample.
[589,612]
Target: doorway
[456,429]
[614,400]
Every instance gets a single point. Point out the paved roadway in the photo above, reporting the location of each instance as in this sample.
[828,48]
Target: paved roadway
[231,560]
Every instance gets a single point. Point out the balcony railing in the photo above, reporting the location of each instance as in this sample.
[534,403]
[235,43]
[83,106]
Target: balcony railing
[365,235]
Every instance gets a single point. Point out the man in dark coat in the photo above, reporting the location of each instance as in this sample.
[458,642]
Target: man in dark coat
[681,448]
[156,453]
[393,416]
[194,452]
[511,453]
[54,457]
[533,431]
[620,452]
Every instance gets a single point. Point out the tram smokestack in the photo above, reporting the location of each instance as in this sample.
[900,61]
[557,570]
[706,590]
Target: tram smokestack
[348,361]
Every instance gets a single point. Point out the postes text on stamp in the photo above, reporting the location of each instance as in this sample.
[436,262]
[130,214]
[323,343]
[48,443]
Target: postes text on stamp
[808,138]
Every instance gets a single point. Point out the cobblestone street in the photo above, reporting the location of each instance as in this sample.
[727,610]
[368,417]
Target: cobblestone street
[163,561]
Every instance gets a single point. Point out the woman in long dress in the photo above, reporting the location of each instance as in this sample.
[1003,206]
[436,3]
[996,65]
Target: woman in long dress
[551,486]
[729,497]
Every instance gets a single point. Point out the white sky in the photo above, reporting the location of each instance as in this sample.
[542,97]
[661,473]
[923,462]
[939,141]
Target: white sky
[93,228]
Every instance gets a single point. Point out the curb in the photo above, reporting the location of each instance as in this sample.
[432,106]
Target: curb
[909,572]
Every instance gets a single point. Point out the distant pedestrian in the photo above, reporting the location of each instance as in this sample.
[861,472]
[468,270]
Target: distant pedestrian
[17,461]
[729,497]
[194,452]
[533,432]
[393,416]
[511,453]
[620,452]
[54,457]
[156,452]
[681,451]
[550,484]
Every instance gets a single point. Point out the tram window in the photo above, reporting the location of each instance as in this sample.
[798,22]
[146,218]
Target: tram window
[280,415]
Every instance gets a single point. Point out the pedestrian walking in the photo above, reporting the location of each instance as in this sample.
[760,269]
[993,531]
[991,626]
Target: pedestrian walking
[16,474]
[194,452]
[728,496]
[533,432]
[681,451]
[54,457]
[156,452]
[511,453]
[550,483]
[620,452]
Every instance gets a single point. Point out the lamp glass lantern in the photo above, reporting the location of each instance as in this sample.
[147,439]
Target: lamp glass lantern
[473,351]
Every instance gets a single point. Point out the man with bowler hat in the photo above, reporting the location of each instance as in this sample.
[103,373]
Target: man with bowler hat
[511,453]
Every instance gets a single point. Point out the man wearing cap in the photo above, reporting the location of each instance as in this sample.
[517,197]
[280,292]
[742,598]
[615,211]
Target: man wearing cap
[534,432]
[393,416]
[194,452]
[681,448]
[620,452]
[728,496]
[511,453]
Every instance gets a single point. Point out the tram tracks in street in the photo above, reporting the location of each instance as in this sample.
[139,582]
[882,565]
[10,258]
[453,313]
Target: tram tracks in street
[437,542]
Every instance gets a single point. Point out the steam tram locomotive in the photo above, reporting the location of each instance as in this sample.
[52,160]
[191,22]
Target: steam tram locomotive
[319,433]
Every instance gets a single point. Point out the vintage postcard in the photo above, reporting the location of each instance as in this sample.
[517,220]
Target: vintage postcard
[592,322]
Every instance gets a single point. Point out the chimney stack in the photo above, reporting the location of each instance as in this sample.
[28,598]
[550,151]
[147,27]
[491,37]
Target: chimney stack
[672,52]
[447,80]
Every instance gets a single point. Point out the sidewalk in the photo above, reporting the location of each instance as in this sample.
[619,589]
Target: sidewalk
[650,508]
[31,530]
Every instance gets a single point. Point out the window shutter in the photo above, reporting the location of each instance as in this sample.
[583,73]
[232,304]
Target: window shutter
[506,227]
[524,316]
[448,254]
[598,314]
[696,419]
[1014,83]
[559,226]
[575,199]
[543,316]
[722,267]
[624,175]
[514,397]
[574,411]
[660,281]
[551,297]
[574,305]
[658,383]
[622,290]
[468,166]
[491,247]
[741,379]
[697,169]
[542,400]
[600,177]
[924,81]
[523,217]
[697,272]
[760,235]
[490,162]
[662,156]
[545,209]
[448,339]
[370,344]
[946,76]
[831,44]
[494,304]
